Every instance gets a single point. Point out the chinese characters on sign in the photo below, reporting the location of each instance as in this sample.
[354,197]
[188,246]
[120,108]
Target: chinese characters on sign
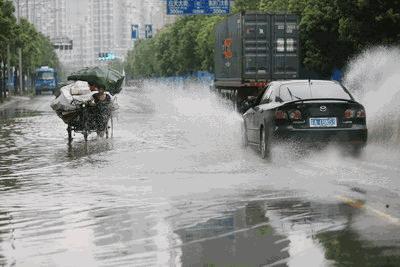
[197,7]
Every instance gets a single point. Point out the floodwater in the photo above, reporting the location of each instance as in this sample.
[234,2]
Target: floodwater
[174,187]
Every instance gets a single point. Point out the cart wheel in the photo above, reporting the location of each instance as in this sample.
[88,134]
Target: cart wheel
[69,130]
[110,128]
[85,125]
[86,131]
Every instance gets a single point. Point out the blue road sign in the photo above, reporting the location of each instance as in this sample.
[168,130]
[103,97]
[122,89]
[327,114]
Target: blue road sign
[134,31]
[197,7]
[148,31]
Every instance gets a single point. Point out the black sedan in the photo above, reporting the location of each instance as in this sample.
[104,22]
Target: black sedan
[306,111]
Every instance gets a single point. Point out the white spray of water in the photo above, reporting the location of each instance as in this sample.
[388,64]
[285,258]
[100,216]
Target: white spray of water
[204,120]
[374,78]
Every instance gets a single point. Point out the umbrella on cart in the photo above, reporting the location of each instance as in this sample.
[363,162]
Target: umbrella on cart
[111,79]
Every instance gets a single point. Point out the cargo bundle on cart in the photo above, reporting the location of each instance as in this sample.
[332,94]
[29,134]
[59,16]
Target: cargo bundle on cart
[252,49]
[87,101]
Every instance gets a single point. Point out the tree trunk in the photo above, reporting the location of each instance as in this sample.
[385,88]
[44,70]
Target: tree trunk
[5,80]
[32,81]
[1,92]
[1,81]
[23,82]
[16,81]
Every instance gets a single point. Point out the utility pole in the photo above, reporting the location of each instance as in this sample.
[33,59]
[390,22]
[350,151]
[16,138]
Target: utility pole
[21,89]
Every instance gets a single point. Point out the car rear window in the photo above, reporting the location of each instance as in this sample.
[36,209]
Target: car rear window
[305,90]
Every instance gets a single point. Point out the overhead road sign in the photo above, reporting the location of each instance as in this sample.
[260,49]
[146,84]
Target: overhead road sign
[134,31]
[198,7]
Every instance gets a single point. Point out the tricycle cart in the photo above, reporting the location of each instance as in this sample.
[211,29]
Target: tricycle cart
[88,118]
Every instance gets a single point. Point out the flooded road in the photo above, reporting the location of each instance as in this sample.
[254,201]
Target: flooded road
[174,187]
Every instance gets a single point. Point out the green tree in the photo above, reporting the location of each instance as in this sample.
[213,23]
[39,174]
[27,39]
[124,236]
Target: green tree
[37,49]
[246,5]
[322,49]
[205,43]
[365,23]
[166,45]
[183,47]
[7,35]
[283,6]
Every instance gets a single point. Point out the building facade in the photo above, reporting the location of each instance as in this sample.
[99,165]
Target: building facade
[48,16]
[92,26]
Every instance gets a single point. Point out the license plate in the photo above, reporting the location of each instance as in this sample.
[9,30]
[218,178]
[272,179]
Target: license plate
[323,122]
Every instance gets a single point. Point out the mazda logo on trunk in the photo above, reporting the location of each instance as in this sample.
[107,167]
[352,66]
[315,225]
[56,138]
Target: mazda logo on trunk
[322,108]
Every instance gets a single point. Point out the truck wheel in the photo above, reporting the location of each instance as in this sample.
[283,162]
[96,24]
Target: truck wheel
[265,143]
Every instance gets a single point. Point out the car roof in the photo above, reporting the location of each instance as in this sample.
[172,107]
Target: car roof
[283,82]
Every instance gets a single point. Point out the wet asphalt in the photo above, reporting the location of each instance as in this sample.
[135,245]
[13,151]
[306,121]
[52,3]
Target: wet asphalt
[174,187]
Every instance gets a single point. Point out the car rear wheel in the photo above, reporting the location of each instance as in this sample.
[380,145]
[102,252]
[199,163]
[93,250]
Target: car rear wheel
[357,150]
[265,144]
[69,130]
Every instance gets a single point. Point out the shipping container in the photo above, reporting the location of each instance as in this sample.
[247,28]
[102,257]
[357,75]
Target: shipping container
[254,48]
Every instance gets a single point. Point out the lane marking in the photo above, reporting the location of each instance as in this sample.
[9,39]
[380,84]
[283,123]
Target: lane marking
[358,204]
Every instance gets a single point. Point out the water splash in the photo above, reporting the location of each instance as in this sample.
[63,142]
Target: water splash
[373,77]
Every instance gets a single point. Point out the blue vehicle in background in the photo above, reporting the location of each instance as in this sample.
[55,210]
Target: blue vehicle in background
[45,80]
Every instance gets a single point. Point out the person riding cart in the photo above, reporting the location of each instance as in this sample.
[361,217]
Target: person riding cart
[84,105]
[102,102]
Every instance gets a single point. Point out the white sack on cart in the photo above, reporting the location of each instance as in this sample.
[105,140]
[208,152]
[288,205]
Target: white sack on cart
[71,95]
[80,88]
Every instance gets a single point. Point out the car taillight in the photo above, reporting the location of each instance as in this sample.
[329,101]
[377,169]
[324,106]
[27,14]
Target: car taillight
[349,114]
[361,114]
[280,115]
[295,115]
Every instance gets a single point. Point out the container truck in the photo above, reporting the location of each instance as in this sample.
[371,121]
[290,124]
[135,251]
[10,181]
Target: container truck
[252,49]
